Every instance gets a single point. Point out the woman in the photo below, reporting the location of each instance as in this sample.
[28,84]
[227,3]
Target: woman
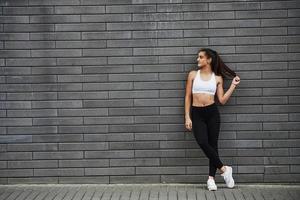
[204,119]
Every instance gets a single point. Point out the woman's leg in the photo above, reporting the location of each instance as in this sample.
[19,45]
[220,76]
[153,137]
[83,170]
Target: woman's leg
[213,125]
[200,131]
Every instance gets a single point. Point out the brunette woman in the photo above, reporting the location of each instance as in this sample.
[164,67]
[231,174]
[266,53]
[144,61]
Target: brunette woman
[202,116]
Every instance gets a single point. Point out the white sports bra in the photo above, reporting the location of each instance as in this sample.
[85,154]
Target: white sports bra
[201,86]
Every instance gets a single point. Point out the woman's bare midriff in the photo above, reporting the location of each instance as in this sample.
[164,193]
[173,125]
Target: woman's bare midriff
[202,99]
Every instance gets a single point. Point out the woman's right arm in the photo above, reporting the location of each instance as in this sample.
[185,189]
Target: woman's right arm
[188,99]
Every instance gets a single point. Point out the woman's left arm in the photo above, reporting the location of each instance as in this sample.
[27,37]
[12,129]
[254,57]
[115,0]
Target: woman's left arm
[223,98]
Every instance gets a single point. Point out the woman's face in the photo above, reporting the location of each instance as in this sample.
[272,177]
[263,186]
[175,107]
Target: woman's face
[202,59]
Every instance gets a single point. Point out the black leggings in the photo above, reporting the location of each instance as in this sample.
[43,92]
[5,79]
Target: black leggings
[206,127]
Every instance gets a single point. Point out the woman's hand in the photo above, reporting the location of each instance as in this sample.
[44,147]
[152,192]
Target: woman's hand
[188,124]
[236,80]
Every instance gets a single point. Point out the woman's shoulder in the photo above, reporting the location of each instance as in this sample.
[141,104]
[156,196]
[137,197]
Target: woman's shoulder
[192,73]
[219,78]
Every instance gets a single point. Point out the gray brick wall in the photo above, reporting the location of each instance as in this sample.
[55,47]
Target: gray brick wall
[92,91]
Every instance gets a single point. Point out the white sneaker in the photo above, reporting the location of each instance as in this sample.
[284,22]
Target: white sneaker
[211,185]
[227,175]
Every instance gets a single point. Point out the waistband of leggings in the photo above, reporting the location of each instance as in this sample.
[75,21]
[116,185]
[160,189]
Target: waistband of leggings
[205,107]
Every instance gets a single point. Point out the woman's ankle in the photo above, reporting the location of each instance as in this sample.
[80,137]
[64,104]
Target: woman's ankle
[223,169]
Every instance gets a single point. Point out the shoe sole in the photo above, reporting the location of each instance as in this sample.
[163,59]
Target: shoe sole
[231,178]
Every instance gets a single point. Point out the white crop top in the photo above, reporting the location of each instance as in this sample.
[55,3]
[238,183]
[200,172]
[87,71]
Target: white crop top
[202,86]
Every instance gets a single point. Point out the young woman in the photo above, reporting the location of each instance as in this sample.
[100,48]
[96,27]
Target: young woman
[204,119]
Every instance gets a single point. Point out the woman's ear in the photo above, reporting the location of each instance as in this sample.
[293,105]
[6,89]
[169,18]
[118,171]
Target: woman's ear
[209,60]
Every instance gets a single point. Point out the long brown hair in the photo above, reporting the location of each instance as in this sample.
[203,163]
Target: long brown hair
[218,66]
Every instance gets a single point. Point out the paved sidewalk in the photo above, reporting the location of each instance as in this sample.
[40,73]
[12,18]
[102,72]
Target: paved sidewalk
[147,192]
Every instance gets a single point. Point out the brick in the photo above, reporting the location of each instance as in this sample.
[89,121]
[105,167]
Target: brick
[55,36]
[262,31]
[15,122]
[133,94]
[131,26]
[16,173]
[183,42]
[134,128]
[84,163]
[158,68]
[33,180]
[107,103]
[58,155]
[159,136]
[157,17]
[208,32]
[80,44]
[28,27]
[161,102]
[234,23]
[279,4]
[110,154]
[14,53]
[14,36]
[16,156]
[109,35]
[81,61]
[56,53]
[14,19]
[82,95]
[29,44]
[31,62]
[158,51]
[32,147]
[53,2]
[108,137]
[132,43]
[130,9]
[159,153]
[134,145]
[107,52]
[107,69]
[37,10]
[32,79]
[182,7]
[208,15]
[80,27]
[133,111]
[160,170]
[32,130]
[79,9]
[59,172]
[57,70]
[16,139]
[83,112]
[106,18]
[83,146]
[261,117]
[110,171]
[82,78]
[234,6]
[32,96]
[33,164]
[108,120]
[155,1]
[57,104]
[84,180]
[132,77]
[58,138]
[134,162]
